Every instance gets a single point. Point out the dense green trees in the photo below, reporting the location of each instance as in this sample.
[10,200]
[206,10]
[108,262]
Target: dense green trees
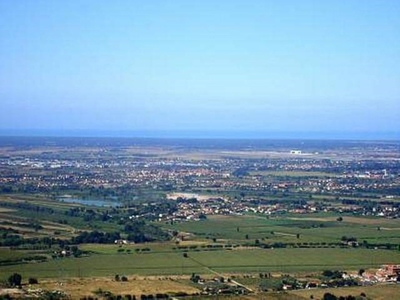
[15,280]
[96,237]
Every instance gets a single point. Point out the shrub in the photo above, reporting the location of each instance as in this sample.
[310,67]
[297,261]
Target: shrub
[329,296]
[15,280]
[32,280]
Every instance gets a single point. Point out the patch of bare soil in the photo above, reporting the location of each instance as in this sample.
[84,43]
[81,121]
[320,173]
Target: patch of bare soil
[77,288]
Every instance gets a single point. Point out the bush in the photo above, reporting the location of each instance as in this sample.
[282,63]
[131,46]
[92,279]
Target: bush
[32,280]
[329,296]
[15,280]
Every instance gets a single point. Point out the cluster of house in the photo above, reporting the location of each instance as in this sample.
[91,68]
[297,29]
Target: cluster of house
[387,273]
[193,206]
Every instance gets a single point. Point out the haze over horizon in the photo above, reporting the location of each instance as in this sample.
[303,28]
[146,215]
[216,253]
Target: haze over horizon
[264,67]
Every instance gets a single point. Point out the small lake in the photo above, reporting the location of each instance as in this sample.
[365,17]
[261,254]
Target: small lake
[90,202]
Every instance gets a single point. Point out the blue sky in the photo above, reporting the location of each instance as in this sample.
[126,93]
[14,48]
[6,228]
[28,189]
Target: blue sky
[237,66]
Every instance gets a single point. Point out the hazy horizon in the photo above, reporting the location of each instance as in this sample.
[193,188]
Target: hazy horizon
[169,134]
[304,68]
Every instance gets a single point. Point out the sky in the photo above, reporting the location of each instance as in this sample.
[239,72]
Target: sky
[201,66]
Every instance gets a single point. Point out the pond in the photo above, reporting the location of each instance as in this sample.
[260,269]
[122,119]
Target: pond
[90,202]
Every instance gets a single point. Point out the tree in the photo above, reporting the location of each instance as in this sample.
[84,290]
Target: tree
[15,280]
[32,280]
[195,278]
[327,273]
[329,296]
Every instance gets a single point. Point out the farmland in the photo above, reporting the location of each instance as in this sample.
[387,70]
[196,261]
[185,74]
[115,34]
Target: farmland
[203,261]
[323,229]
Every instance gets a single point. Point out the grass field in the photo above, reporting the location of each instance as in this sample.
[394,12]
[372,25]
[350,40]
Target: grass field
[49,222]
[206,262]
[285,229]
[7,254]
[25,227]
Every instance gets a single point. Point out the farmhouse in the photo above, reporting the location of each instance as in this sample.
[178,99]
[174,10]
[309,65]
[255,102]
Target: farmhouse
[389,272]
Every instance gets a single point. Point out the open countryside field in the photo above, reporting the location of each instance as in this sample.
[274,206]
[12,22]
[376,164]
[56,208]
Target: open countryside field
[49,214]
[7,254]
[206,262]
[225,231]
[136,285]
[31,228]
[323,229]
[349,219]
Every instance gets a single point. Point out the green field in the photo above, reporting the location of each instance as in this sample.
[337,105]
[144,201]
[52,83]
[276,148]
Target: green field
[311,228]
[218,245]
[205,262]
[21,214]
[9,255]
